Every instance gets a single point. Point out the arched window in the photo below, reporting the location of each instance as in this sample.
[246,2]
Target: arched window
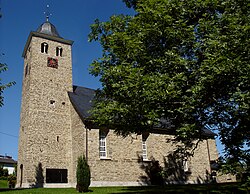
[44,47]
[59,51]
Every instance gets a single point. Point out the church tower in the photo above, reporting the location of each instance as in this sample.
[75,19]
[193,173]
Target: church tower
[45,143]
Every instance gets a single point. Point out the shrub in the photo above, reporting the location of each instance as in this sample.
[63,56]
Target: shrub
[3,172]
[3,177]
[12,181]
[82,174]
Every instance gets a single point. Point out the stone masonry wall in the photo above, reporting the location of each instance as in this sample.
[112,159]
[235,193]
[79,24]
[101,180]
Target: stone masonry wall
[78,134]
[123,165]
[45,116]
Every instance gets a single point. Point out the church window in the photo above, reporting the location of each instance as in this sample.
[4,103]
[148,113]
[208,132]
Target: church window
[185,165]
[144,146]
[44,47]
[144,150]
[52,102]
[59,51]
[57,138]
[102,144]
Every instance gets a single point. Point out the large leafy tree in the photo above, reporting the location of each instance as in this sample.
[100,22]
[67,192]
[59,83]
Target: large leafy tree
[184,64]
[4,67]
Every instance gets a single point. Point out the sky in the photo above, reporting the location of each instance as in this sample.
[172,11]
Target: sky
[72,19]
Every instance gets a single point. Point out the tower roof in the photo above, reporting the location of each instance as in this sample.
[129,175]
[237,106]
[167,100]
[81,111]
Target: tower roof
[48,28]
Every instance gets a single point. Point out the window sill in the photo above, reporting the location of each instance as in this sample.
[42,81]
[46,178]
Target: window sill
[105,158]
[146,160]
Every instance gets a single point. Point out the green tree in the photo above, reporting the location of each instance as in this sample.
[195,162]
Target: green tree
[4,67]
[82,174]
[3,172]
[184,64]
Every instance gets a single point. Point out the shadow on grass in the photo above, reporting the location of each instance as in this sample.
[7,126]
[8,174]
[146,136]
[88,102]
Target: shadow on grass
[222,188]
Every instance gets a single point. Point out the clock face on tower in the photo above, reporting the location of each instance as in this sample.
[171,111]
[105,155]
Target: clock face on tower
[52,62]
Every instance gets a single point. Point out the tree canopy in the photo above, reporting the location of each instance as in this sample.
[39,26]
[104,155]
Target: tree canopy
[4,67]
[184,64]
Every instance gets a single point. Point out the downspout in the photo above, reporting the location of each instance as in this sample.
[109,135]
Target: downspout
[209,159]
[86,144]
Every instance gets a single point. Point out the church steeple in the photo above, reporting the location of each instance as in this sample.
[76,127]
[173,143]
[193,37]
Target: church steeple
[47,27]
[45,128]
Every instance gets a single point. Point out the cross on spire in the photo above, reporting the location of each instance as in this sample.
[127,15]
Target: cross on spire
[47,13]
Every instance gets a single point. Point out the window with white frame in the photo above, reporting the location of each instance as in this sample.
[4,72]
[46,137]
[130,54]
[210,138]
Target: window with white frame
[185,165]
[102,144]
[144,146]
[144,150]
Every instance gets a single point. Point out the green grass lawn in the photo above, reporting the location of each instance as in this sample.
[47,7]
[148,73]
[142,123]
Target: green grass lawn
[3,184]
[170,189]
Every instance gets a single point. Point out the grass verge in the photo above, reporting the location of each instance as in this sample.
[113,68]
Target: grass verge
[3,184]
[232,188]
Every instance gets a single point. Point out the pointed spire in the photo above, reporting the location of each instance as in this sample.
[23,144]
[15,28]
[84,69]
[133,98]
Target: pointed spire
[47,13]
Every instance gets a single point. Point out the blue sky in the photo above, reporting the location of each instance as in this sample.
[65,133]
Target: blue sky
[72,19]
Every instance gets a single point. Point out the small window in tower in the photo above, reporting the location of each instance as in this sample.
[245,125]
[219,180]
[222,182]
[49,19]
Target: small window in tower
[59,51]
[52,103]
[44,47]
[57,138]
[26,69]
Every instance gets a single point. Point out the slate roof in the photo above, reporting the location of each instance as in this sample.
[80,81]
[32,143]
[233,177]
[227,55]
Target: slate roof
[82,97]
[7,160]
[48,28]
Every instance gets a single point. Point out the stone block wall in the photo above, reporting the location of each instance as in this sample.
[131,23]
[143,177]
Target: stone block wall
[123,164]
[45,113]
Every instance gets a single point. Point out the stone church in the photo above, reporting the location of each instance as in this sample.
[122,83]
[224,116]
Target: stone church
[55,131]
